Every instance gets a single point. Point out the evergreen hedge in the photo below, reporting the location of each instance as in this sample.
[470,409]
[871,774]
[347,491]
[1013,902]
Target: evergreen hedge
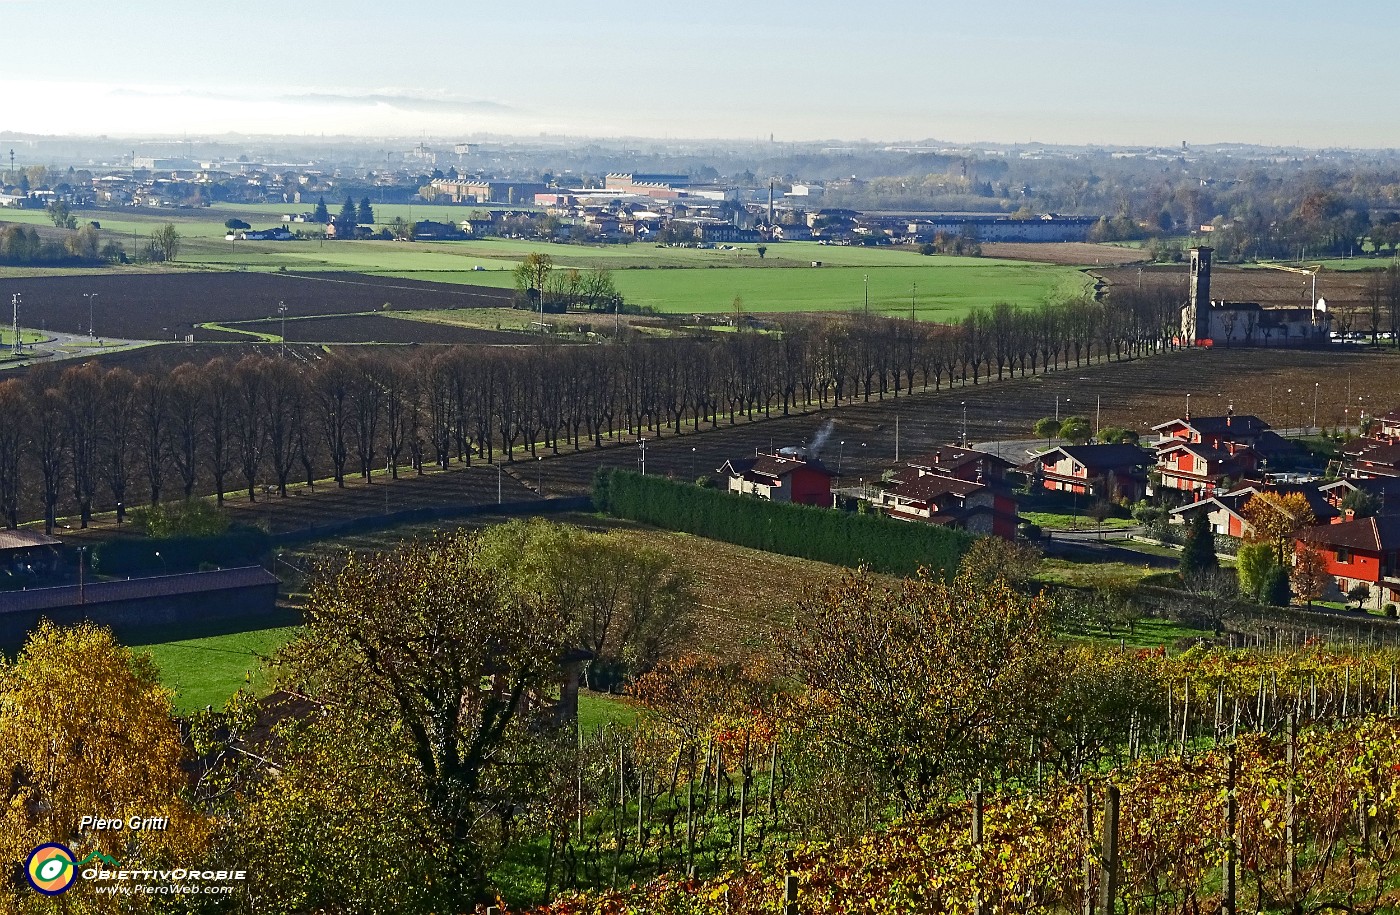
[823,534]
[239,547]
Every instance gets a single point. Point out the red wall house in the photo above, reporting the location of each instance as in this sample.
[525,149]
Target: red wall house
[780,478]
[1365,550]
[1095,470]
[1201,468]
[978,508]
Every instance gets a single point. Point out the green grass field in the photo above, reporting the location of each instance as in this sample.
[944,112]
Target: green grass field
[206,668]
[672,280]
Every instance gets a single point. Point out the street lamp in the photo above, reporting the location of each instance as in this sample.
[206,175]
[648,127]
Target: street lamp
[840,455]
[498,482]
[90,296]
[282,310]
[692,462]
[1316,386]
[82,590]
[964,425]
[539,463]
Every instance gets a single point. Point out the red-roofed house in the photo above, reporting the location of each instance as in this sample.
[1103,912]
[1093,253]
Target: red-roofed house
[953,486]
[1095,470]
[780,478]
[1365,550]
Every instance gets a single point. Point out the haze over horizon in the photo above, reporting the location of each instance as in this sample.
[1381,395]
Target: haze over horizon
[1075,72]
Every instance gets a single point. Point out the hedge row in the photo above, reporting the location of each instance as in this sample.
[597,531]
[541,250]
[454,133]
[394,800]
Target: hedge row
[824,534]
[238,547]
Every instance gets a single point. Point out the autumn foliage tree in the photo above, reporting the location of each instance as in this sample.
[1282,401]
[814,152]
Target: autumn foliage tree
[86,730]
[440,664]
[1276,519]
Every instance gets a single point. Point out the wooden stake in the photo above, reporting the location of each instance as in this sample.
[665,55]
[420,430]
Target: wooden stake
[1108,884]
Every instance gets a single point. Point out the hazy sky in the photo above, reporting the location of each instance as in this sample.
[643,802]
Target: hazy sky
[1063,71]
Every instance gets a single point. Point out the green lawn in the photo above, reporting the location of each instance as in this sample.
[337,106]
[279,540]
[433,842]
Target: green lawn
[1061,521]
[206,667]
[1092,574]
[1146,633]
[598,709]
[7,337]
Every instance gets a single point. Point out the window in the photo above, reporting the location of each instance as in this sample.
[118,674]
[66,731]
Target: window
[1343,555]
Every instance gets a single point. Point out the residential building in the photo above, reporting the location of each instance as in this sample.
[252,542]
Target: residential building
[1102,471]
[953,486]
[1371,457]
[1225,511]
[1361,551]
[788,476]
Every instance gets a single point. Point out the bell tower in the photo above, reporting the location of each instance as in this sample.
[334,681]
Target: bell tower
[1199,301]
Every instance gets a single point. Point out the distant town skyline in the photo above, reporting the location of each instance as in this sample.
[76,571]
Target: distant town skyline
[1283,73]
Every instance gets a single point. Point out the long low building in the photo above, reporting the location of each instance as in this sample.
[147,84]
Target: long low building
[220,594]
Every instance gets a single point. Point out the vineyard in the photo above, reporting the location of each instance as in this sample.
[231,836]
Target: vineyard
[1237,781]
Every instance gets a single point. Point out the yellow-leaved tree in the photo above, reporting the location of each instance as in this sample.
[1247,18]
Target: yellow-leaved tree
[86,730]
[1277,519]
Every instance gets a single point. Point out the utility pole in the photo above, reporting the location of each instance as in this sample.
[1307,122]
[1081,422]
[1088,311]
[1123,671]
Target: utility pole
[14,300]
[896,438]
[1098,413]
[282,310]
[867,295]
[912,297]
[964,426]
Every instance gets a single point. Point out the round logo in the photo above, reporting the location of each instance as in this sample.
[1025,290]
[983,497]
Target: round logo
[50,869]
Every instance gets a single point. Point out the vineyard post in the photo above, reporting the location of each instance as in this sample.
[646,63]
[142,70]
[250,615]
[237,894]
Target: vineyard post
[1259,720]
[1185,713]
[690,814]
[1346,689]
[493,910]
[977,841]
[743,800]
[1088,848]
[790,885]
[773,780]
[1290,828]
[1219,709]
[618,810]
[1231,826]
[641,809]
[1108,884]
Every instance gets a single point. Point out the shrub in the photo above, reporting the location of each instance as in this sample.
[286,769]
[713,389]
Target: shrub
[841,538]
[1389,610]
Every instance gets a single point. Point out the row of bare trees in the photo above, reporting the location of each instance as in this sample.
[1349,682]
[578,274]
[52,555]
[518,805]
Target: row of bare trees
[89,437]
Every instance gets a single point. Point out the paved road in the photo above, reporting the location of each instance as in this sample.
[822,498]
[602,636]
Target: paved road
[57,346]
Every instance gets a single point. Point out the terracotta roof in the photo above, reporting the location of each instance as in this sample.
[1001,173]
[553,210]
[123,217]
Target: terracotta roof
[1373,535]
[931,486]
[952,457]
[1373,451]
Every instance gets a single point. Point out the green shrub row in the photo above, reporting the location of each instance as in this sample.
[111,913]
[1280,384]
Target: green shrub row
[238,547]
[824,534]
